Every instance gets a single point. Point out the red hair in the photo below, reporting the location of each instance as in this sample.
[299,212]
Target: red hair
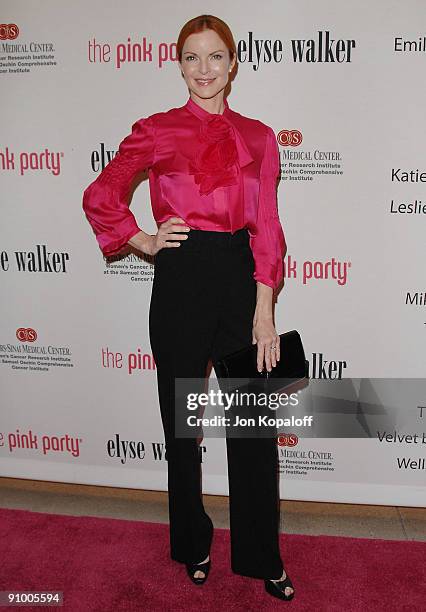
[206,22]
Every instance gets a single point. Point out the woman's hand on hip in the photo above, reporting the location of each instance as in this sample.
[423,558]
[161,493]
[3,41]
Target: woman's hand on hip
[266,337]
[169,230]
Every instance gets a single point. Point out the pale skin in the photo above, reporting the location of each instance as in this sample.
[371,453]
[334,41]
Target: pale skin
[205,56]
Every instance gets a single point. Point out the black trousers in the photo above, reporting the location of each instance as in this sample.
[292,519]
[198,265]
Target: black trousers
[202,306]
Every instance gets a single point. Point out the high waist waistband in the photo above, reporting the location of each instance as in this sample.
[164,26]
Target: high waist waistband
[215,239]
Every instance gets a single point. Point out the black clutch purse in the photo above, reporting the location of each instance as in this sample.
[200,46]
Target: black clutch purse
[291,372]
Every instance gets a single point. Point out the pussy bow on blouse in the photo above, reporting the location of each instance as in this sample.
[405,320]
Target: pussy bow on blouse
[216,171]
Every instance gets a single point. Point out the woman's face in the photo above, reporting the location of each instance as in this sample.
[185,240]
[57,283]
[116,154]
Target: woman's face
[205,64]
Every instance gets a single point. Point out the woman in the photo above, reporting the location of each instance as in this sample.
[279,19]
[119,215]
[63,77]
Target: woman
[218,258]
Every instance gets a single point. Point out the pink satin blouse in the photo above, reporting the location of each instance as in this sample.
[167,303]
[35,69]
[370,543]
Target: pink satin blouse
[217,171]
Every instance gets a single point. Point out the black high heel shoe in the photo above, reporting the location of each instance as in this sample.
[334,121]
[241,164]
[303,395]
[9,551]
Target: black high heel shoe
[192,568]
[277,589]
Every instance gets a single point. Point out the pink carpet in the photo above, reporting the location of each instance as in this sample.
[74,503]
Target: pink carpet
[112,565]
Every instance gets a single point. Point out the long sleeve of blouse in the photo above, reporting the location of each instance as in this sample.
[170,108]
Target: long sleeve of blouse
[106,199]
[267,241]
[216,171]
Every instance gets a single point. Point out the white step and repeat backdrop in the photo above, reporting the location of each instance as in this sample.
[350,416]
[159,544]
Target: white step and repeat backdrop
[342,84]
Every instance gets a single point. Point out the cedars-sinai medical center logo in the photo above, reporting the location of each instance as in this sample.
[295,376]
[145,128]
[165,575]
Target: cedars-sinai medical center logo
[301,164]
[289,138]
[8,31]
[287,439]
[26,334]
